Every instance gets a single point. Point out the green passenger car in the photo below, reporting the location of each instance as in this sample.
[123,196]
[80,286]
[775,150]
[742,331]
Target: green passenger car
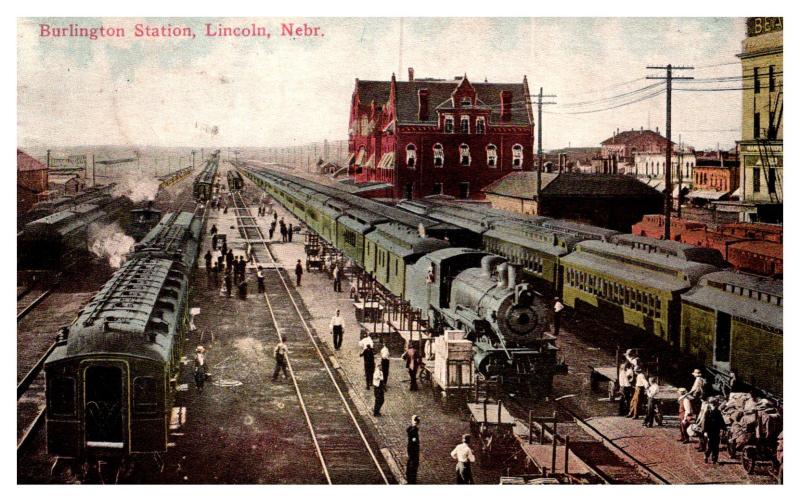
[351,228]
[734,321]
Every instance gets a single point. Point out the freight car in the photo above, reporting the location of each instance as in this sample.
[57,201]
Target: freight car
[174,177]
[111,379]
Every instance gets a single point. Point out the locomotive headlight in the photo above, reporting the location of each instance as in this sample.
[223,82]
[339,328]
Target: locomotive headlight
[522,320]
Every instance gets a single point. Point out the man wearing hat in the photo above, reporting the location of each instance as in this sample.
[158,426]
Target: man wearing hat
[685,414]
[558,307]
[413,450]
[697,391]
[200,368]
[713,424]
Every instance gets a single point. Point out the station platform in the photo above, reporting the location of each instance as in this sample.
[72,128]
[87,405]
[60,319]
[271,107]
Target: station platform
[444,421]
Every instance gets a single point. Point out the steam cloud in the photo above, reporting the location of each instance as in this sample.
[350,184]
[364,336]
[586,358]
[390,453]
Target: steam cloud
[137,188]
[109,241]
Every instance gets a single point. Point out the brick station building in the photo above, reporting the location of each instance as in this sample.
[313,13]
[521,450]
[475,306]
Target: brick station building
[429,137]
[32,180]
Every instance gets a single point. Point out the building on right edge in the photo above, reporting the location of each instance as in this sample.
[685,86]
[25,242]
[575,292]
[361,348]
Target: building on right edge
[761,147]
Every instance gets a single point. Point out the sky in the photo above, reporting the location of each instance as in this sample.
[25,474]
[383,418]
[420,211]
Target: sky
[282,91]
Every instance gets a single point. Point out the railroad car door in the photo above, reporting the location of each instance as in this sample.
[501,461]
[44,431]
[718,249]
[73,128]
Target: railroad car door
[104,407]
[722,341]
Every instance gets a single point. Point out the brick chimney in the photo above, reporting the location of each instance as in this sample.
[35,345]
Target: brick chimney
[423,104]
[410,74]
[505,105]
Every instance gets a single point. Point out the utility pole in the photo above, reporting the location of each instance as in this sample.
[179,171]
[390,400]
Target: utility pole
[668,164]
[680,173]
[539,104]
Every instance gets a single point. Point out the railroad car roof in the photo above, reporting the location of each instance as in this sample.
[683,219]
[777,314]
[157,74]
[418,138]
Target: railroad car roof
[579,228]
[673,248]
[517,239]
[649,269]
[142,297]
[421,207]
[55,218]
[737,301]
[403,241]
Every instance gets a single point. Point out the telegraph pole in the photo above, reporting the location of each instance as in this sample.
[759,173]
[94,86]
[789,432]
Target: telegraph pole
[668,164]
[539,104]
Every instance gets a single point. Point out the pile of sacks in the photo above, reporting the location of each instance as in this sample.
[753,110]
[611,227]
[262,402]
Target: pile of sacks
[751,422]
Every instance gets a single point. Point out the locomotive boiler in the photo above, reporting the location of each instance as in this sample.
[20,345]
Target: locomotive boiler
[505,319]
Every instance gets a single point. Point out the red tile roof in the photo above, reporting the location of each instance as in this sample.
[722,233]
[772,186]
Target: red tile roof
[26,163]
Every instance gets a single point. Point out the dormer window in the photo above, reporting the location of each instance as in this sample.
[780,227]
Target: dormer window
[480,126]
[465,101]
[449,124]
[411,156]
[516,156]
[438,155]
[463,153]
[465,125]
[491,155]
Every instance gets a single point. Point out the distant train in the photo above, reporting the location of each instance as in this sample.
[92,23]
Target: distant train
[204,183]
[622,279]
[235,181]
[112,377]
[173,177]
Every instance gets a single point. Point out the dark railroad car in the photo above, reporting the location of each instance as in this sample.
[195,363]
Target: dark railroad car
[235,181]
[110,380]
[203,188]
[734,321]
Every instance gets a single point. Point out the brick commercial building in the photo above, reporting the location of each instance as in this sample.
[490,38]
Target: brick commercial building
[609,200]
[620,150]
[427,137]
[31,181]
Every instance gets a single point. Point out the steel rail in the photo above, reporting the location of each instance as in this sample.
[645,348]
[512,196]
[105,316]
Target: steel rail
[262,241]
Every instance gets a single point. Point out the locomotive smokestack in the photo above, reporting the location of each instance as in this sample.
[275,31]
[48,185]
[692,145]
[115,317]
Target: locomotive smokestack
[512,276]
[487,263]
[502,276]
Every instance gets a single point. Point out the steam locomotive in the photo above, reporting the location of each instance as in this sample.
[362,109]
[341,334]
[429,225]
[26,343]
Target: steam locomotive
[506,320]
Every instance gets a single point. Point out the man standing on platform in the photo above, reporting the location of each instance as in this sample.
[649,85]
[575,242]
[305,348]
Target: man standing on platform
[465,457]
[337,279]
[377,387]
[413,450]
[298,272]
[412,359]
[385,365]
[369,363]
[713,424]
[290,232]
[208,261]
[557,308]
[337,330]
[653,412]
[260,279]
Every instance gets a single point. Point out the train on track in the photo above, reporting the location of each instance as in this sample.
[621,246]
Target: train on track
[235,181]
[204,184]
[173,177]
[429,263]
[112,376]
[662,288]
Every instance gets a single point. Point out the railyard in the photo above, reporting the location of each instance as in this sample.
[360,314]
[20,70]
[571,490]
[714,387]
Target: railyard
[317,425]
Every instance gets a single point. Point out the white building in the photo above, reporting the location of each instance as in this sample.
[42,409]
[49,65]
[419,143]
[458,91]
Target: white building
[649,167]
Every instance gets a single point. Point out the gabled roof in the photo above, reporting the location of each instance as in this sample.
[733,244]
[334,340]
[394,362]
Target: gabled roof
[569,184]
[440,92]
[636,138]
[26,163]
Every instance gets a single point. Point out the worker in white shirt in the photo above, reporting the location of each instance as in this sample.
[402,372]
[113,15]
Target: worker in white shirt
[653,412]
[337,329]
[463,454]
[685,414]
[698,389]
[557,308]
[625,387]
[385,365]
[638,393]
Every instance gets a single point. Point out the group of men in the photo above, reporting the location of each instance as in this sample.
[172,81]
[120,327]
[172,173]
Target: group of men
[700,415]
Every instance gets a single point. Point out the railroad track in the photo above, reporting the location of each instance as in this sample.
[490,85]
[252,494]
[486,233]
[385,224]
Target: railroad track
[343,450]
[30,299]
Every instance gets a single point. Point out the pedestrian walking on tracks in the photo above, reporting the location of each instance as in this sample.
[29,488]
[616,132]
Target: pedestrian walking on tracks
[337,329]
[377,387]
[281,354]
[558,307]
[385,365]
[465,457]
[369,363]
[413,360]
[200,372]
[298,272]
[412,448]
[290,232]
[260,279]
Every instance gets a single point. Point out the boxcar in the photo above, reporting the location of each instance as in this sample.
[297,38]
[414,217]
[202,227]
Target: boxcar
[629,286]
[733,320]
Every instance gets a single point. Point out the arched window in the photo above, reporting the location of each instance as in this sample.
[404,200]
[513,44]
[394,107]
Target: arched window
[465,125]
[480,125]
[491,155]
[438,155]
[516,156]
[449,124]
[463,154]
[411,155]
